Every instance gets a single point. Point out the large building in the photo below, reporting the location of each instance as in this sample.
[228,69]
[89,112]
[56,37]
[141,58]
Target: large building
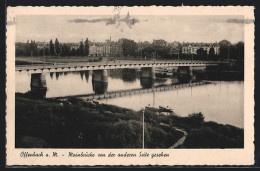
[99,49]
[191,48]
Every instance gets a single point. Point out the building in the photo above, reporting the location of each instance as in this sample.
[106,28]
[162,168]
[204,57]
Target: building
[99,49]
[42,45]
[20,45]
[142,45]
[159,42]
[191,48]
[73,46]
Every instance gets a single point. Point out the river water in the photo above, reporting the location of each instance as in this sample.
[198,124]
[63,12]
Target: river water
[221,101]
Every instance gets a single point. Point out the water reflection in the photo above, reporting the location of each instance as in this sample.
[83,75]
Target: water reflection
[161,81]
[86,75]
[147,82]
[38,86]
[37,92]
[224,76]
[185,78]
[51,74]
[57,75]
[129,75]
[100,81]
[99,87]
[115,73]
[81,74]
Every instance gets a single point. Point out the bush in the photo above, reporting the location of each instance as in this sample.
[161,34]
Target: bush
[206,137]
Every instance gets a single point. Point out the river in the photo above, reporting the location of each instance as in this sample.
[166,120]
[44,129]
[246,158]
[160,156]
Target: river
[221,101]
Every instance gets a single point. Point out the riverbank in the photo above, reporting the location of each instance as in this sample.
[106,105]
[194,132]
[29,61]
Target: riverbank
[74,123]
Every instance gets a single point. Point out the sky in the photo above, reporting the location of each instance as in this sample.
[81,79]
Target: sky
[145,28]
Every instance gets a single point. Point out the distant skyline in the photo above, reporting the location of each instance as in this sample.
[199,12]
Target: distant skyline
[144,28]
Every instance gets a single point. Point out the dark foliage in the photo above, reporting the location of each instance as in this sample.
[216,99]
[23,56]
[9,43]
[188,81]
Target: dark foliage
[75,123]
[78,124]
[212,135]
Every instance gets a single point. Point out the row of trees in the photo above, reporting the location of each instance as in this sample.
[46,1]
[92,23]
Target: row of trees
[66,50]
[227,51]
[28,49]
[231,51]
[52,49]
[130,48]
[152,51]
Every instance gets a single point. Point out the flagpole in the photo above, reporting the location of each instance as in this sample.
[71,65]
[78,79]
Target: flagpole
[143,129]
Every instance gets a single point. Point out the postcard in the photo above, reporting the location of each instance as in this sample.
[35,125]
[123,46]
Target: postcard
[130,86]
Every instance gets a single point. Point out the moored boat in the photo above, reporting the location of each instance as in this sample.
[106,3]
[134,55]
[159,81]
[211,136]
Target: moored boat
[165,109]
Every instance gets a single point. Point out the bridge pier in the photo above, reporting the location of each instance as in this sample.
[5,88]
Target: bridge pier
[38,85]
[99,81]
[147,82]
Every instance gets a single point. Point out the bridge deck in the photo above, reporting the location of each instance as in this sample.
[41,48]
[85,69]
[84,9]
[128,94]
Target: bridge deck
[108,65]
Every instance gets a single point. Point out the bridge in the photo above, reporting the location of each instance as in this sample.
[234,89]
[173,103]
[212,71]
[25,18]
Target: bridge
[100,81]
[129,92]
[81,66]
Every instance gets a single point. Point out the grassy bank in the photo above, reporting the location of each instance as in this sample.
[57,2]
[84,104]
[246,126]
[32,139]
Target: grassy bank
[78,124]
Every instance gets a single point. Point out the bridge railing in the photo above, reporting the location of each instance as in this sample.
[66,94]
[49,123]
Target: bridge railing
[118,62]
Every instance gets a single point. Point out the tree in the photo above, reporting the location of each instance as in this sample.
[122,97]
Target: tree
[57,47]
[73,52]
[211,53]
[129,47]
[28,50]
[86,48]
[196,118]
[148,51]
[224,48]
[52,52]
[65,50]
[81,48]
[127,134]
[224,43]
[201,53]
[33,48]
[47,51]
[240,50]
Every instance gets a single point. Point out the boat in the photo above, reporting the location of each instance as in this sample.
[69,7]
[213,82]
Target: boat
[150,107]
[161,110]
[95,101]
[165,109]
